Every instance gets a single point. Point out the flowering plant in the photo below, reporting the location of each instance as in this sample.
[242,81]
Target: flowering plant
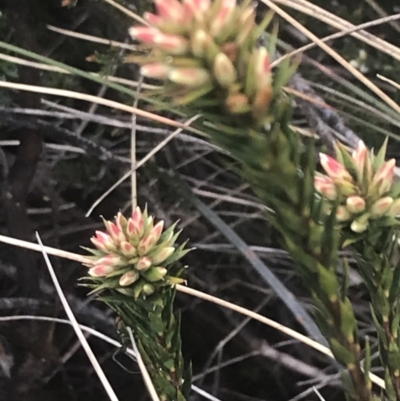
[207,57]
[361,186]
[134,256]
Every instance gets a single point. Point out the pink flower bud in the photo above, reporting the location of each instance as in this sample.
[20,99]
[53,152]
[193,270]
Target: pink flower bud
[333,168]
[156,70]
[116,233]
[342,214]
[394,208]
[100,271]
[197,7]
[103,242]
[355,204]
[111,260]
[135,226]
[132,230]
[127,249]
[173,44]
[383,178]
[192,77]
[359,156]
[157,231]
[224,71]
[153,19]
[137,216]
[199,43]
[143,264]
[145,245]
[121,221]
[163,254]
[222,18]
[262,68]
[128,278]
[381,206]
[144,34]
[325,186]
[170,10]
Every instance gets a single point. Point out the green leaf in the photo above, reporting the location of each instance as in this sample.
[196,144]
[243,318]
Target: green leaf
[341,353]
[379,159]
[348,320]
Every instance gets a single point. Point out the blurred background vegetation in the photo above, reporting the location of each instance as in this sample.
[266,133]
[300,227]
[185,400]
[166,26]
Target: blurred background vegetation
[58,155]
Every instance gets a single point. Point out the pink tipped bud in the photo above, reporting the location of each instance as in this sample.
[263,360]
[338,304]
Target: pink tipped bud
[196,8]
[333,168]
[262,68]
[224,71]
[325,186]
[111,260]
[153,19]
[223,16]
[137,216]
[103,242]
[342,214]
[145,245]
[143,264]
[128,278]
[192,77]
[121,221]
[115,232]
[173,44]
[156,70]
[355,204]
[383,179]
[127,249]
[135,226]
[144,34]
[100,271]
[381,206]
[170,10]
[199,43]
[163,254]
[359,156]
[157,231]
[394,208]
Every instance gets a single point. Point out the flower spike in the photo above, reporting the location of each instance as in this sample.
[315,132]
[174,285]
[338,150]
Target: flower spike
[129,253]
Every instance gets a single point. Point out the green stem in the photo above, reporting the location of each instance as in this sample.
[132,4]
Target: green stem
[157,332]
[381,277]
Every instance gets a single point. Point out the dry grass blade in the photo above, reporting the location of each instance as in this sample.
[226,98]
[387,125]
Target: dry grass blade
[91,38]
[292,333]
[46,67]
[85,345]
[127,12]
[341,24]
[336,36]
[380,11]
[369,84]
[391,82]
[98,100]
[143,370]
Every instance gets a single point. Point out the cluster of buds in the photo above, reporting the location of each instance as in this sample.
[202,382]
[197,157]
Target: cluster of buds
[361,184]
[207,51]
[134,255]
